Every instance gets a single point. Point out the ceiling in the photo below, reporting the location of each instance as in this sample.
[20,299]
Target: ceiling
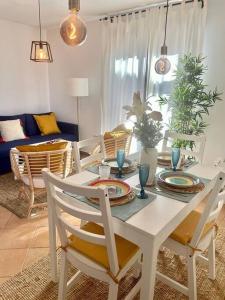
[53,11]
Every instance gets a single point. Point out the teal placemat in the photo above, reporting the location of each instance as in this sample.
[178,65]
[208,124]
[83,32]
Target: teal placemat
[174,195]
[122,212]
[94,169]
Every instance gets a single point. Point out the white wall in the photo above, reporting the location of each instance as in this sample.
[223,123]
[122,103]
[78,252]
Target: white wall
[214,50]
[81,61]
[23,84]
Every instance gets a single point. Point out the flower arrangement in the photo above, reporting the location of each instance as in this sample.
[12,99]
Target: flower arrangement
[148,124]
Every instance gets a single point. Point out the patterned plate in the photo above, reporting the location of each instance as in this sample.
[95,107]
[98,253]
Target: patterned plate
[113,163]
[179,179]
[164,157]
[116,188]
[117,202]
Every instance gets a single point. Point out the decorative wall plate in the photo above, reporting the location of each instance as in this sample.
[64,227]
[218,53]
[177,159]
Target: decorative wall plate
[116,188]
[179,179]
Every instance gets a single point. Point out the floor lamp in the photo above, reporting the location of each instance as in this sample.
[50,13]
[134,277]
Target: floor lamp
[78,87]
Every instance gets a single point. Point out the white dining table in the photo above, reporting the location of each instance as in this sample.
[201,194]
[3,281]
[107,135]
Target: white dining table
[148,228]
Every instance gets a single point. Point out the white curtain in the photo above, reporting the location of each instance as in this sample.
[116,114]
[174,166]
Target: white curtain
[132,45]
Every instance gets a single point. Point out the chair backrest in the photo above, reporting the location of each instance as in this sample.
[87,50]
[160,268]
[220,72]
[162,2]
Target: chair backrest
[93,157]
[212,208]
[30,164]
[198,151]
[58,204]
[115,143]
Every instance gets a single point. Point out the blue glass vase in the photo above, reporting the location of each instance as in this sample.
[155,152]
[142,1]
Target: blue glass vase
[143,178]
[175,157]
[120,158]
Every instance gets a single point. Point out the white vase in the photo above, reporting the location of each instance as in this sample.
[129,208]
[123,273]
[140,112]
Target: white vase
[149,156]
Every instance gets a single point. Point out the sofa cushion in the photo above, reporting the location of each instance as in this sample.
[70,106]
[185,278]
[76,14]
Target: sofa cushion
[31,126]
[11,130]
[14,117]
[47,124]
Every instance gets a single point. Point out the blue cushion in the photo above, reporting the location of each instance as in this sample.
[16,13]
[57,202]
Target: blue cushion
[31,124]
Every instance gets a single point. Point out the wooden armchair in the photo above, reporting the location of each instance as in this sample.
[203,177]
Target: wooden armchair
[27,168]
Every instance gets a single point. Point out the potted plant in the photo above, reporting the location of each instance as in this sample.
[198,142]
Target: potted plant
[190,99]
[147,129]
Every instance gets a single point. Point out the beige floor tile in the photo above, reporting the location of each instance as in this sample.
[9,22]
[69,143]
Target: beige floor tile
[5,214]
[34,254]
[15,221]
[4,279]
[16,238]
[41,238]
[11,261]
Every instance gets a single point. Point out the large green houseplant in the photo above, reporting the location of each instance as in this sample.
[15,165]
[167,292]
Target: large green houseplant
[190,100]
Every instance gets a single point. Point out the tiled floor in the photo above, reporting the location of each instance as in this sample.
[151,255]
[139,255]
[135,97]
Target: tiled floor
[22,242]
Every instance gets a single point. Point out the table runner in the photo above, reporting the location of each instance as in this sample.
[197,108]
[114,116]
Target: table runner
[122,212]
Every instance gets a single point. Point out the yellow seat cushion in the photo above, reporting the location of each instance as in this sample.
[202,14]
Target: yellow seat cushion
[47,124]
[185,231]
[98,253]
[43,147]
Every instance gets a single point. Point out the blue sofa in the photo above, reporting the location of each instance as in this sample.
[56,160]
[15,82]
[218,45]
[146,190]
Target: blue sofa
[68,132]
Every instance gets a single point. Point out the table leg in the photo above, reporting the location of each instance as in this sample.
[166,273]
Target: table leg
[53,247]
[150,254]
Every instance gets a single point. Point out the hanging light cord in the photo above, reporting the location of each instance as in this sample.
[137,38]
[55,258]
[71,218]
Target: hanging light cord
[39,8]
[167,11]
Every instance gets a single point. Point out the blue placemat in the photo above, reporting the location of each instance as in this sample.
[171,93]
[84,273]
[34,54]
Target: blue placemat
[174,195]
[94,169]
[122,212]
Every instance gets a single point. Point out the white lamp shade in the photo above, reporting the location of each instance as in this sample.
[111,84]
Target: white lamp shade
[78,87]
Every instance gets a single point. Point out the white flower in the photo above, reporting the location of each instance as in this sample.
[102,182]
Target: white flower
[138,107]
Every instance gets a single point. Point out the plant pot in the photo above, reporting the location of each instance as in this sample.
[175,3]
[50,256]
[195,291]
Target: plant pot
[149,156]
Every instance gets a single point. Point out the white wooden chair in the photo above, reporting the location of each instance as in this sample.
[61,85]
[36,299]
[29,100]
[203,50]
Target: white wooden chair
[27,168]
[193,236]
[198,151]
[112,145]
[93,249]
[93,157]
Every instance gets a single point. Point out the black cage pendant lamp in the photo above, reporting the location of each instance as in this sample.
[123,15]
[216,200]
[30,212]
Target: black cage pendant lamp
[40,50]
[163,64]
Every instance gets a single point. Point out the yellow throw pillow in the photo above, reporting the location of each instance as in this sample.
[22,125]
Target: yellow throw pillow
[47,124]
[42,147]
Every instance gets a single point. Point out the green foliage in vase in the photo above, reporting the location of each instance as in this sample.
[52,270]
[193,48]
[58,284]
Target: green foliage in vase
[147,125]
[190,100]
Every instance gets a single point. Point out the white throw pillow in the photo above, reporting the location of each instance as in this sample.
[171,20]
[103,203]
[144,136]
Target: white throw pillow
[11,130]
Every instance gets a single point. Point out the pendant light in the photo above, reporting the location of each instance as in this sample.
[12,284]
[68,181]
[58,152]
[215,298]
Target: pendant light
[40,50]
[163,64]
[73,30]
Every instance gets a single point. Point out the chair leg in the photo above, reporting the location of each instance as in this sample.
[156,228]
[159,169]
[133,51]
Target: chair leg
[192,286]
[63,277]
[113,291]
[212,260]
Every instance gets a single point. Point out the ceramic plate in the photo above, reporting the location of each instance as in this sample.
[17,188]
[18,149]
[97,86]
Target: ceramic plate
[113,163]
[179,179]
[164,157]
[116,188]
